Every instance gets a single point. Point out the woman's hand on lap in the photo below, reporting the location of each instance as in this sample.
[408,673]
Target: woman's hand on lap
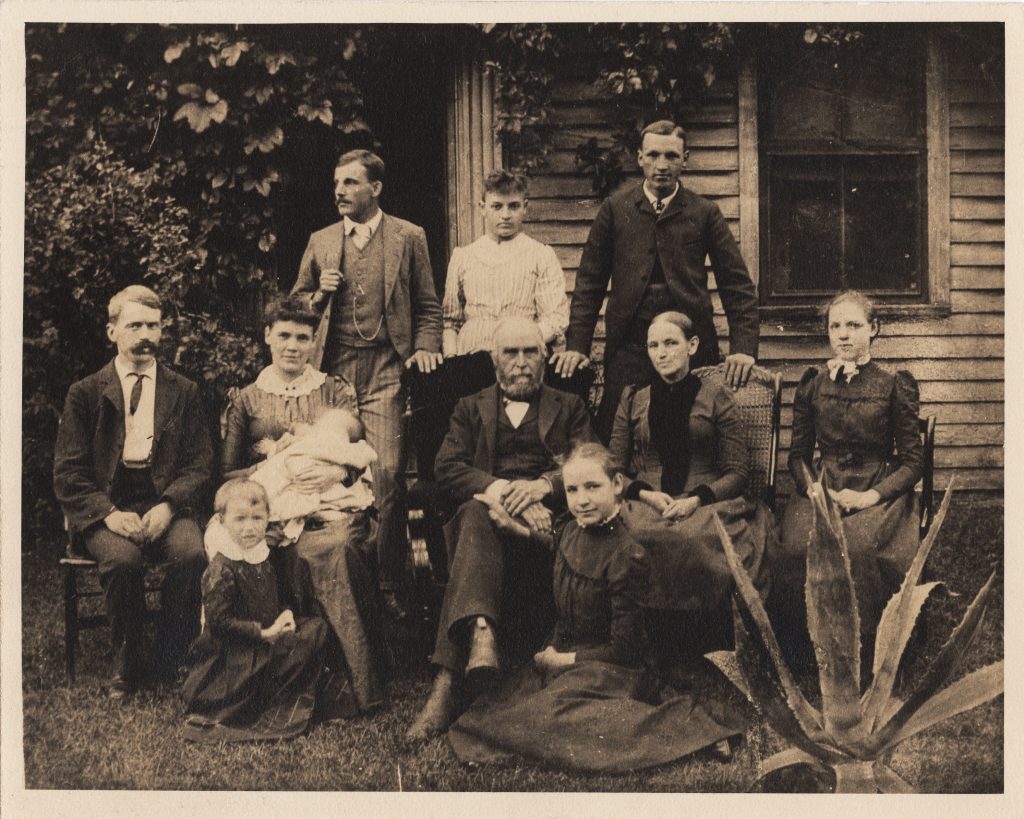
[658,501]
[681,508]
[850,500]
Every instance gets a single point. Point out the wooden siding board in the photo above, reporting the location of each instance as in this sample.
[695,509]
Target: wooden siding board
[958,360]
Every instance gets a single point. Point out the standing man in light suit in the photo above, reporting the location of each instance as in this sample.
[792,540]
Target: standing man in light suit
[369,276]
[650,241]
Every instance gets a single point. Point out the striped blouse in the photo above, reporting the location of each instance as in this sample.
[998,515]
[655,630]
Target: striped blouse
[488,281]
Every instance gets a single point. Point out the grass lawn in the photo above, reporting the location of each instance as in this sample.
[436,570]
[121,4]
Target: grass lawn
[74,738]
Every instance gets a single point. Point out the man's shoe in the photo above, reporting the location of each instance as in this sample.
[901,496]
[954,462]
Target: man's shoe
[436,714]
[483,666]
[118,688]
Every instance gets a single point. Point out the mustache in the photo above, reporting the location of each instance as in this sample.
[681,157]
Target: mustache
[144,347]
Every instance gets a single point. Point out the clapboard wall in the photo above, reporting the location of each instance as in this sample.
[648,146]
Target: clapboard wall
[957,358]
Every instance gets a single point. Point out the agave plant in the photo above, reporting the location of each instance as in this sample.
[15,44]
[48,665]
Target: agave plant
[853,731]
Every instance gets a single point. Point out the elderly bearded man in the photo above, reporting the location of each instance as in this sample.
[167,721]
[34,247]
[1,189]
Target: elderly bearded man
[498,463]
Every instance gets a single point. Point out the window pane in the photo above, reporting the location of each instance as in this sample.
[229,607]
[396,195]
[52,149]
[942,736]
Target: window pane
[805,219]
[805,100]
[883,93]
[881,224]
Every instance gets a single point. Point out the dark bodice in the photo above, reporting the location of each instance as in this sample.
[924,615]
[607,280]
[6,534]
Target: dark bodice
[600,578]
[866,430]
[718,454]
[240,598]
[255,414]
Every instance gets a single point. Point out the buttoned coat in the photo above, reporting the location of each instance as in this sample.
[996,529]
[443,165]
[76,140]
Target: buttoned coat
[623,242]
[466,461]
[90,443]
[412,313]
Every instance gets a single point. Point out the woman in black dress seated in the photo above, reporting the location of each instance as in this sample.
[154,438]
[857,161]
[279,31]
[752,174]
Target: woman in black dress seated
[680,442]
[339,553]
[864,422]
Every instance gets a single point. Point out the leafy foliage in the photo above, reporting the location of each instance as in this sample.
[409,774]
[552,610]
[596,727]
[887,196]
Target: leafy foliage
[92,227]
[853,731]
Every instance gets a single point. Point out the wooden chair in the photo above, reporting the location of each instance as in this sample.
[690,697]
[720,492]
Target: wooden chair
[76,566]
[760,403]
[926,427]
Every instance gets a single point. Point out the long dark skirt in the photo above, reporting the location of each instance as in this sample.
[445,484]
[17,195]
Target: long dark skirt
[342,565]
[588,718]
[244,691]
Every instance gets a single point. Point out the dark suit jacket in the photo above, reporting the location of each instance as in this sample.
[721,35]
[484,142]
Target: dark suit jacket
[412,312]
[90,442]
[622,245]
[465,462]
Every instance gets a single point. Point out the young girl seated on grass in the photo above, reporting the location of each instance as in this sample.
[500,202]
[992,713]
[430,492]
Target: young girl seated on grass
[336,439]
[259,657]
[588,702]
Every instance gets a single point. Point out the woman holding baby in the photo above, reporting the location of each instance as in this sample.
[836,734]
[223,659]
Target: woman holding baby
[288,397]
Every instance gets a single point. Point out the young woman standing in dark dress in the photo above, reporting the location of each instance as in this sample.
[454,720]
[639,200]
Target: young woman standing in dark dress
[864,423]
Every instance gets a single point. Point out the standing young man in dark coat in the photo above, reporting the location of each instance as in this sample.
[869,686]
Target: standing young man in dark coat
[651,241]
[369,277]
[132,460]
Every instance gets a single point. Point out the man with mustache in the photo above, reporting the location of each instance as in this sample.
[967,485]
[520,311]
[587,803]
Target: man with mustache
[132,460]
[651,240]
[369,277]
[499,463]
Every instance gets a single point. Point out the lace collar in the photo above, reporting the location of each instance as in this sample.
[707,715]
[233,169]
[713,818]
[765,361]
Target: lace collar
[269,380]
[218,541]
[603,524]
[848,368]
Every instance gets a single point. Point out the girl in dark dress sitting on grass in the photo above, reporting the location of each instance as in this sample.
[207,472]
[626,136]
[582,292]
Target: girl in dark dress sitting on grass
[588,701]
[259,658]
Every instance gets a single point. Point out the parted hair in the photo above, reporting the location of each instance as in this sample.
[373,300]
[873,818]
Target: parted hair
[680,320]
[137,293]
[663,127]
[372,163]
[592,451]
[858,298]
[290,308]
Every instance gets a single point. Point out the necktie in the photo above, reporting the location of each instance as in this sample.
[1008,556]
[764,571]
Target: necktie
[659,206]
[136,396]
[360,235]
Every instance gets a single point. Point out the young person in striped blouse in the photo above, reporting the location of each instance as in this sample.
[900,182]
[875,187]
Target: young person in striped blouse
[503,274]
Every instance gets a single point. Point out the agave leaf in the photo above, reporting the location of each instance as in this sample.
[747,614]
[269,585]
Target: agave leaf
[726,662]
[941,669]
[792,717]
[832,617]
[855,777]
[889,646]
[888,781]
[757,650]
[784,759]
[966,693]
[898,620]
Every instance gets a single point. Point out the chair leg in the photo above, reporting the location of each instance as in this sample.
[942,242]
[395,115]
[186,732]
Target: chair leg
[70,621]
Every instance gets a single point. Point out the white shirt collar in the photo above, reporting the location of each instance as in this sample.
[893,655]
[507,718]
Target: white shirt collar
[372,223]
[123,369]
[310,379]
[666,199]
